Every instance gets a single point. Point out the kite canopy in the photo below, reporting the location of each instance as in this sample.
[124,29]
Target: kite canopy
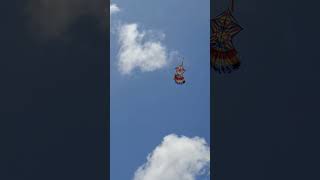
[224,56]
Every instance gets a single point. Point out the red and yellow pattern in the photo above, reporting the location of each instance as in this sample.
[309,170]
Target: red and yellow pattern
[178,76]
[224,57]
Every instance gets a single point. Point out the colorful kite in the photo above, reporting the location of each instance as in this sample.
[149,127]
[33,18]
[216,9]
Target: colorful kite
[224,56]
[178,76]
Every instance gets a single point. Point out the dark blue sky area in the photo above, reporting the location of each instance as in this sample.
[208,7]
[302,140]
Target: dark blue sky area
[266,115]
[52,99]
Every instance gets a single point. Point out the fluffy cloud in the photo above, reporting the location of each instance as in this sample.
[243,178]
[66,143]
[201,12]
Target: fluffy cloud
[176,158]
[53,17]
[138,52]
[114,9]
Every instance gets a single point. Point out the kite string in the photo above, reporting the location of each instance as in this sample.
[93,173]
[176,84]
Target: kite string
[232,6]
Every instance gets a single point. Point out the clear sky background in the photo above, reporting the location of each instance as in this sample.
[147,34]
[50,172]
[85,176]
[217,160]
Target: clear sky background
[147,106]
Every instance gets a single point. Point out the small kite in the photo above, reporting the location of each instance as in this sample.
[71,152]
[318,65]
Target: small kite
[178,76]
[224,56]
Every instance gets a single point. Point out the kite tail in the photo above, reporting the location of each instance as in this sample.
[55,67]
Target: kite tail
[224,62]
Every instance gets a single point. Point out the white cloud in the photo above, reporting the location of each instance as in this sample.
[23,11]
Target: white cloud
[176,158]
[114,9]
[139,52]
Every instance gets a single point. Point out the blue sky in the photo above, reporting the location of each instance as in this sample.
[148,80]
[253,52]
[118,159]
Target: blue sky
[147,106]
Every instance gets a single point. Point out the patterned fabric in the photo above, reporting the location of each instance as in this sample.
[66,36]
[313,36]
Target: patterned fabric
[178,77]
[224,57]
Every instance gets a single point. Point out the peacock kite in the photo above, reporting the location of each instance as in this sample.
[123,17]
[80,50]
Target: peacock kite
[224,56]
